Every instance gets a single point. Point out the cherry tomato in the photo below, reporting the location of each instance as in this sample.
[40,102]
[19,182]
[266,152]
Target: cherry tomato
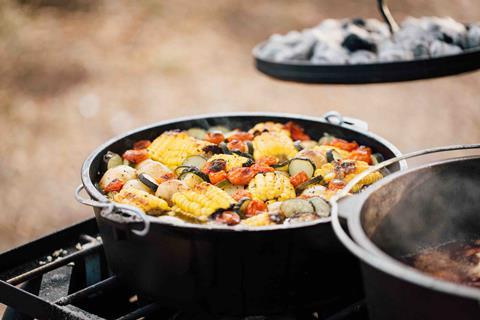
[241,176]
[214,137]
[214,166]
[241,136]
[362,153]
[142,144]
[255,207]
[296,131]
[115,185]
[239,194]
[260,168]
[343,144]
[216,177]
[237,145]
[136,156]
[299,178]
[336,184]
[228,217]
[267,160]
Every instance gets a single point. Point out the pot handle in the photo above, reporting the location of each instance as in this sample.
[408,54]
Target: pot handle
[110,207]
[354,201]
[334,117]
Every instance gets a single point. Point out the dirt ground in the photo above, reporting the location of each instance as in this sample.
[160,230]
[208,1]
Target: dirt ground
[73,76]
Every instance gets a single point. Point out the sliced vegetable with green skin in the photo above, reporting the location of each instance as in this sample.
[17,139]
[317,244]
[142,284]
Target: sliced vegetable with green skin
[224,147]
[113,160]
[315,180]
[291,207]
[195,171]
[197,133]
[297,165]
[249,145]
[377,158]
[148,181]
[195,161]
[281,164]
[322,208]
[221,129]
[298,145]
[242,206]
[326,139]
[333,155]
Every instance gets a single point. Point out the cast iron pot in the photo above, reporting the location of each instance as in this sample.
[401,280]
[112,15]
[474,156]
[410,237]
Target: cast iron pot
[220,270]
[402,214]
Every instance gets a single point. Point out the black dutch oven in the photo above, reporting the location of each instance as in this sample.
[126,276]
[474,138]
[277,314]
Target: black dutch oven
[220,270]
[402,214]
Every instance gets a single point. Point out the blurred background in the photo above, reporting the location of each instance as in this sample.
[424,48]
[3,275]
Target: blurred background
[74,73]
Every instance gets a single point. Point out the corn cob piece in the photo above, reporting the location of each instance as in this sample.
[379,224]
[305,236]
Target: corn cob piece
[259,220]
[271,186]
[368,180]
[327,171]
[172,148]
[201,201]
[141,199]
[274,144]
[232,160]
[323,149]
[269,126]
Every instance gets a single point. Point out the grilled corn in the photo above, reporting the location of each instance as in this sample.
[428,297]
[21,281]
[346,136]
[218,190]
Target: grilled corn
[232,160]
[201,201]
[271,186]
[275,144]
[141,199]
[269,126]
[259,220]
[172,148]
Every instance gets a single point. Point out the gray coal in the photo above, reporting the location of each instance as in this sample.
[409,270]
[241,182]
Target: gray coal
[362,41]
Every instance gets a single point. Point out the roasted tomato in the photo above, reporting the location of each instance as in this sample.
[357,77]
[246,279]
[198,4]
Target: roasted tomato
[136,156]
[362,153]
[241,136]
[214,166]
[336,184]
[267,160]
[236,145]
[215,137]
[298,179]
[255,207]
[241,176]
[229,218]
[115,185]
[142,144]
[216,177]
[261,168]
[343,144]
[239,194]
[296,131]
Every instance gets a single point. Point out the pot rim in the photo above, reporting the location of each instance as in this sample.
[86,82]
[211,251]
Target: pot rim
[386,263]
[95,194]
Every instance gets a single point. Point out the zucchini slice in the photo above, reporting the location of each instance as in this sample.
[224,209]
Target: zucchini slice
[249,145]
[322,208]
[198,133]
[291,207]
[241,207]
[195,171]
[280,164]
[298,145]
[224,148]
[112,159]
[333,155]
[298,165]
[195,161]
[148,181]
[326,139]
[377,158]
[315,180]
